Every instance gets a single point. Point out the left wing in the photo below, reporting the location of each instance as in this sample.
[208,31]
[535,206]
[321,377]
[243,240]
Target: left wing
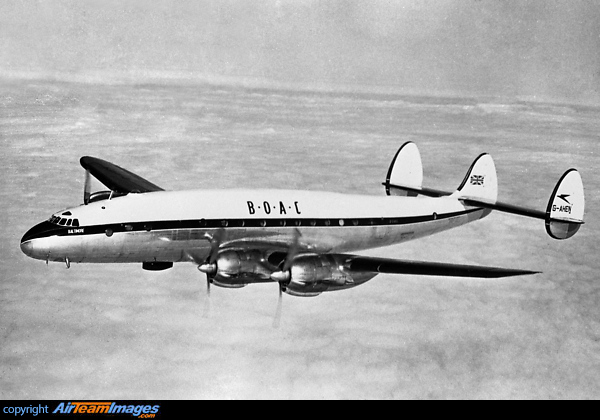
[116,178]
[392,266]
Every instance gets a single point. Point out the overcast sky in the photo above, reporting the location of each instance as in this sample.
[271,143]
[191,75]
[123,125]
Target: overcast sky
[539,48]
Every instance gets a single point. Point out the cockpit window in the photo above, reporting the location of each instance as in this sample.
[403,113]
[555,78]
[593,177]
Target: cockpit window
[64,221]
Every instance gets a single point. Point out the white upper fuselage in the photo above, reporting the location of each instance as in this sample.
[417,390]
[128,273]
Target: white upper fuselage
[171,225]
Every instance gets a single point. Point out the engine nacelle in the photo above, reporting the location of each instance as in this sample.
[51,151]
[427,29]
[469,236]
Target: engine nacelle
[312,275]
[237,268]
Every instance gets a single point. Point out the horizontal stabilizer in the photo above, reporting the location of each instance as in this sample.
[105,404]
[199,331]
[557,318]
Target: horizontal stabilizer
[564,213]
[391,266]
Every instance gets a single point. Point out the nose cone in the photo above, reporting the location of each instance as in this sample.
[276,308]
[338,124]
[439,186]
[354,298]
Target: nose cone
[27,248]
[41,230]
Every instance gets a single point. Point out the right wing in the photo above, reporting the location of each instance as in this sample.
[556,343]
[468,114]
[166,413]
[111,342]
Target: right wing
[392,266]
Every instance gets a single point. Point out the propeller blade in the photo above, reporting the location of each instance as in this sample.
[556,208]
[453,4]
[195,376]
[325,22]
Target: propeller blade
[292,251]
[277,318]
[87,187]
[215,244]
[207,307]
[285,273]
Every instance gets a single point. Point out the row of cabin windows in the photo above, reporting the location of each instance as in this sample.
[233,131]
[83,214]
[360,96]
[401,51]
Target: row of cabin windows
[62,221]
[293,222]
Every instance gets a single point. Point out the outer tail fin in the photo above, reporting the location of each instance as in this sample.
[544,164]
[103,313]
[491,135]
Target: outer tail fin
[564,214]
[405,172]
[480,183]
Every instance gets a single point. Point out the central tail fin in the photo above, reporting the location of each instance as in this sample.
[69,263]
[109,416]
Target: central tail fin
[481,183]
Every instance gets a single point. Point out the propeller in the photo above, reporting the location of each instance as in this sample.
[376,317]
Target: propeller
[284,275]
[209,267]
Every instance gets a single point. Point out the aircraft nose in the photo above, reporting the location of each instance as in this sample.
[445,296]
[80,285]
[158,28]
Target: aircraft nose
[27,248]
[40,230]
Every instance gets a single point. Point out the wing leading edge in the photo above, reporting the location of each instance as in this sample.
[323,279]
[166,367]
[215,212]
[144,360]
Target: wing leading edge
[116,178]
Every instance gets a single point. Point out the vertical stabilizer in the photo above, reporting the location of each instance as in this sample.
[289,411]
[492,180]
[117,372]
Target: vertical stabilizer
[564,214]
[480,183]
[405,173]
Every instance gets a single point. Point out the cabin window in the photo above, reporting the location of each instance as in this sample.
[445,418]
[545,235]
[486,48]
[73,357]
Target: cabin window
[69,221]
[75,223]
[282,223]
[355,222]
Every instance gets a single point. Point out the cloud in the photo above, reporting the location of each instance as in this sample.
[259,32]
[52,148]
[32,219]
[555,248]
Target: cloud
[116,331]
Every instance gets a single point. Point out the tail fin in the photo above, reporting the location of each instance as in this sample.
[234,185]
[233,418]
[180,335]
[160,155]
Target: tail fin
[564,214]
[481,183]
[405,174]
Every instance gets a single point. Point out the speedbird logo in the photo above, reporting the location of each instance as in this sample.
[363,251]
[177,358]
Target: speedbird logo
[141,411]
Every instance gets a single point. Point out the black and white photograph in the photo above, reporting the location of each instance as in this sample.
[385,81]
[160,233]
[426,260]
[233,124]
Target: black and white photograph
[299,200]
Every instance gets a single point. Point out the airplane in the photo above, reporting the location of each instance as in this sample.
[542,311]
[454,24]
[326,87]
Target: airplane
[300,240]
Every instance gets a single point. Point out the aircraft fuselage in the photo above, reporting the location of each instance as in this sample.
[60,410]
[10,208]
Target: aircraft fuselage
[169,226]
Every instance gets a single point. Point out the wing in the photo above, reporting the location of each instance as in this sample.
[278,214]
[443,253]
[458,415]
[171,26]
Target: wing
[392,266]
[116,178]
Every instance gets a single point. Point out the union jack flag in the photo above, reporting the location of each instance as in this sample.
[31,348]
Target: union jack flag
[477,179]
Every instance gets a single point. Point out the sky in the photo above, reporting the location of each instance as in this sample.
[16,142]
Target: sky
[546,50]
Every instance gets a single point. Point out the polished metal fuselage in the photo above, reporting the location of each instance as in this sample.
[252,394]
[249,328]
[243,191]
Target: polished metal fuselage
[177,226]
